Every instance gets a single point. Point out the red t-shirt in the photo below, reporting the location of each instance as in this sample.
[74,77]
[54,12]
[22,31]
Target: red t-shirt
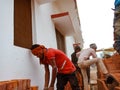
[63,63]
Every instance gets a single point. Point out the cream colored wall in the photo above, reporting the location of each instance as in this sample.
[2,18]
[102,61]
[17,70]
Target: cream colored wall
[44,25]
[17,62]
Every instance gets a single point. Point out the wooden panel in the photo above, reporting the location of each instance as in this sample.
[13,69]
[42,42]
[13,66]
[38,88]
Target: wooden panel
[22,23]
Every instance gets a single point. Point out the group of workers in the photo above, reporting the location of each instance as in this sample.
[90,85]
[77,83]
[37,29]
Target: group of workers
[64,69]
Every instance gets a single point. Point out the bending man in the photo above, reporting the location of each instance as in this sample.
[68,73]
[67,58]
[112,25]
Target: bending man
[84,62]
[62,67]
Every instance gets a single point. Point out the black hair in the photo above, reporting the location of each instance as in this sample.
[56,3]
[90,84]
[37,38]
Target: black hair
[34,46]
[77,48]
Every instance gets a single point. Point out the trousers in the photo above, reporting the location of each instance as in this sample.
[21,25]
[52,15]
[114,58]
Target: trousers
[62,80]
[83,64]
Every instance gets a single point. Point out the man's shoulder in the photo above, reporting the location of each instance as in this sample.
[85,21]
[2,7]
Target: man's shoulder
[91,49]
[87,49]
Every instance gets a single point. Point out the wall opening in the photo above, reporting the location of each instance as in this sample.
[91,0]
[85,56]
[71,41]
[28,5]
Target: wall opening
[60,41]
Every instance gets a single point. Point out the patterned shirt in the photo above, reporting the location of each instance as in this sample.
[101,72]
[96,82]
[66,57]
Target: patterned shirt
[86,53]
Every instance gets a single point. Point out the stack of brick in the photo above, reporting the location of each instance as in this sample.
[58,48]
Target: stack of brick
[112,81]
[17,84]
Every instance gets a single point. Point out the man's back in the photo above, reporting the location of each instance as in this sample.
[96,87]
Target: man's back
[86,53]
[74,58]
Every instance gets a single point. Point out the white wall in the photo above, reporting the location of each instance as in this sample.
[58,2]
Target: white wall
[17,62]
[69,45]
[44,25]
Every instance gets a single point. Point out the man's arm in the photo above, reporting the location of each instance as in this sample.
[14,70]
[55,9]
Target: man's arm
[47,76]
[73,57]
[94,55]
[54,72]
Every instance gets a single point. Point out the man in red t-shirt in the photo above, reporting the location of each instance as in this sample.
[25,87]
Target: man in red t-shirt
[62,67]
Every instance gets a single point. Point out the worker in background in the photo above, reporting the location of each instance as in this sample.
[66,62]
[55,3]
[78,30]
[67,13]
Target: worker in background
[74,59]
[84,62]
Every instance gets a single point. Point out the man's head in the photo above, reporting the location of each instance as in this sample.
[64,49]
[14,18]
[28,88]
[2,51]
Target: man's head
[77,49]
[38,50]
[93,46]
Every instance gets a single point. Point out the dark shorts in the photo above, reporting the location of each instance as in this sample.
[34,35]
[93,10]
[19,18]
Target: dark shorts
[62,80]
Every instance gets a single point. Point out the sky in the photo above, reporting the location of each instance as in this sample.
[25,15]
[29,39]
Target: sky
[96,18]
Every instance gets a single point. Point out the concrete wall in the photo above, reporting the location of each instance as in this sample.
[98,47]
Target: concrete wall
[17,62]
